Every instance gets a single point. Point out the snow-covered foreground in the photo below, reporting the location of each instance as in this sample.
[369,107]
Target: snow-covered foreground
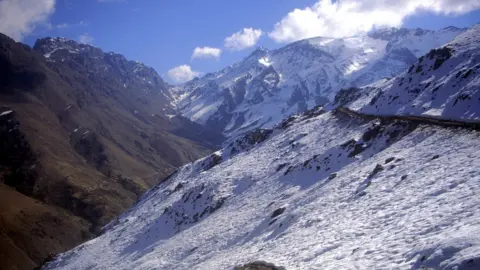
[321,191]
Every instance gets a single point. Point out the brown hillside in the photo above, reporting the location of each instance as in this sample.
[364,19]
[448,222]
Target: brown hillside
[86,136]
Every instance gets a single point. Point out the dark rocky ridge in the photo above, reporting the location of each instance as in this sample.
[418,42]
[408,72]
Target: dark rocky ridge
[87,134]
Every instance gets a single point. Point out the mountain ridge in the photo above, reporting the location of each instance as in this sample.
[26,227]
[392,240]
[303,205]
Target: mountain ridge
[269,85]
[320,190]
[79,145]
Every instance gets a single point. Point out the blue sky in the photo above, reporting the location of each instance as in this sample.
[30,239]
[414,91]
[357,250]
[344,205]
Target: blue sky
[164,33]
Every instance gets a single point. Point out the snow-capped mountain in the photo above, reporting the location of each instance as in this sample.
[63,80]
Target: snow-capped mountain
[388,193]
[444,83]
[268,86]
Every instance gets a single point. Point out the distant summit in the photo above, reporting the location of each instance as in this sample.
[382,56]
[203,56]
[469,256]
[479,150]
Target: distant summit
[267,86]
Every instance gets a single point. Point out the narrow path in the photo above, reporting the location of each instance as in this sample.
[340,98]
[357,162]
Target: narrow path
[415,119]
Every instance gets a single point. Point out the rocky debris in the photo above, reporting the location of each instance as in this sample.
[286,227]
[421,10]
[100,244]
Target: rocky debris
[390,159]
[376,170]
[346,95]
[210,162]
[440,55]
[315,111]
[360,192]
[348,144]
[287,122]
[388,130]
[259,265]
[194,205]
[278,212]
[354,147]
[249,140]
[178,187]
[258,136]
[281,166]
[357,149]
[332,176]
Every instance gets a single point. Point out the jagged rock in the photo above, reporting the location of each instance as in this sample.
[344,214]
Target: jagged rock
[376,170]
[390,159]
[278,212]
[259,266]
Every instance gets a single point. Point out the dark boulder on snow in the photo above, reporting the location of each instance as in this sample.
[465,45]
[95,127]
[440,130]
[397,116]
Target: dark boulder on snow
[259,266]
[278,212]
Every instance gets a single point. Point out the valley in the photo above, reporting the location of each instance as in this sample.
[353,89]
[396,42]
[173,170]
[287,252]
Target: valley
[328,153]
[365,181]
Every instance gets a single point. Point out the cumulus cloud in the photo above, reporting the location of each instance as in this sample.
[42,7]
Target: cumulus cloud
[350,17]
[243,39]
[182,73]
[18,18]
[206,52]
[85,38]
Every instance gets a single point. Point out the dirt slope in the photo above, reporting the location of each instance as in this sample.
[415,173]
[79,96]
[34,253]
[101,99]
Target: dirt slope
[76,149]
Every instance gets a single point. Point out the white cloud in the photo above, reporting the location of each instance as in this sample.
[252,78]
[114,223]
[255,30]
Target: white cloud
[350,17]
[18,18]
[68,25]
[182,73]
[206,52]
[85,38]
[243,39]
[62,25]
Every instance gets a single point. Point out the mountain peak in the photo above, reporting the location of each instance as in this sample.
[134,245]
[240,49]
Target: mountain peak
[50,45]
[259,52]
[301,75]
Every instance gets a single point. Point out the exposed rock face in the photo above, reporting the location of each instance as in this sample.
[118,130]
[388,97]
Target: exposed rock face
[83,133]
[259,266]
[17,160]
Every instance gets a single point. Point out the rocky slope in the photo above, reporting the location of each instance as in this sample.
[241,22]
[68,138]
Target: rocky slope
[268,86]
[83,134]
[444,84]
[385,194]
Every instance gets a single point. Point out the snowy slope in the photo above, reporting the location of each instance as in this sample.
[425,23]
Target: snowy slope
[389,195]
[268,86]
[322,190]
[444,83]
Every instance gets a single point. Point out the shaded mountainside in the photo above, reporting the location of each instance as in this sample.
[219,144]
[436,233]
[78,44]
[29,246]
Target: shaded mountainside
[83,135]
[137,88]
[267,86]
